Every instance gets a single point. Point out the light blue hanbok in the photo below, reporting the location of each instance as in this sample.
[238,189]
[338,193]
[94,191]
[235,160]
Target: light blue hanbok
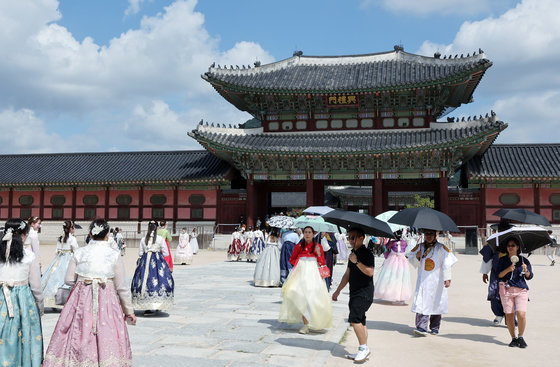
[21,306]
[53,278]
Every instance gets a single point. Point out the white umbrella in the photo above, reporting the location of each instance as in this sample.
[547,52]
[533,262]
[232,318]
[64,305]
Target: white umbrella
[385,216]
[281,221]
[318,210]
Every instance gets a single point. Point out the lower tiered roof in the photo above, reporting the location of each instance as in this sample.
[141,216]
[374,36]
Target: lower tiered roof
[112,168]
[517,162]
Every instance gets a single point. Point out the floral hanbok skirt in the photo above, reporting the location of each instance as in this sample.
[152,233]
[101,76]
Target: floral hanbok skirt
[21,338]
[234,250]
[304,294]
[256,249]
[184,253]
[74,341]
[393,282]
[53,277]
[152,284]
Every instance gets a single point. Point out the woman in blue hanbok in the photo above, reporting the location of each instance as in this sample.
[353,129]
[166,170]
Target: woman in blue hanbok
[257,246]
[152,285]
[53,277]
[21,300]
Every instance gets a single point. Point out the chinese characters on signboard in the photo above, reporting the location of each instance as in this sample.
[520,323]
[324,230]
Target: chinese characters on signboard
[343,100]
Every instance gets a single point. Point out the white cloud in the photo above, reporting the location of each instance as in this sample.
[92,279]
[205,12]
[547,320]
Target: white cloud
[22,131]
[426,7]
[47,71]
[524,112]
[133,7]
[524,46]
[155,126]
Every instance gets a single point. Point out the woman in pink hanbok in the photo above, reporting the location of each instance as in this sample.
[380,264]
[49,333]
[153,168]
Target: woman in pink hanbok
[184,252]
[91,329]
[393,282]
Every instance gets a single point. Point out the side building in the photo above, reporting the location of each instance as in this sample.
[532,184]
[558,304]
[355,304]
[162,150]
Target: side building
[126,188]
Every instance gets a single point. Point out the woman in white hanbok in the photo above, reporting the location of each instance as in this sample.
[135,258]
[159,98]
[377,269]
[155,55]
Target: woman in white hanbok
[184,252]
[32,240]
[342,248]
[53,277]
[267,270]
[194,241]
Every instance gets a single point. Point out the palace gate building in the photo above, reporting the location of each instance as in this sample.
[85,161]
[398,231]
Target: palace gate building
[367,131]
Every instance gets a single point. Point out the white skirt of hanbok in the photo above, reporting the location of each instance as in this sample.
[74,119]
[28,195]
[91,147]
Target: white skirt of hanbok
[194,245]
[393,282]
[305,294]
[267,269]
[53,277]
[184,253]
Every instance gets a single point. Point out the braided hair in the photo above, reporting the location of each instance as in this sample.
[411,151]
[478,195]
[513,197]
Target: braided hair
[152,232]
[14,230]
[66,227]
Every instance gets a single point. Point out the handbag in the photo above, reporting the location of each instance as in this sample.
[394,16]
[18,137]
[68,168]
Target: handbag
[61,295]
[324,271]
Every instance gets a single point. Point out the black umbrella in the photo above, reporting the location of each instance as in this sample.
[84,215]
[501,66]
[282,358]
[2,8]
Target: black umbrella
[365,222]
[529,238]
[523,216]
[423,217]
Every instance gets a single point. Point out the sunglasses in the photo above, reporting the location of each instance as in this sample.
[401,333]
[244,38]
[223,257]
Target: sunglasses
[429,234]
[511,245]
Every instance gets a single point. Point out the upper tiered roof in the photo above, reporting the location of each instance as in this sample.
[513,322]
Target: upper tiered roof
[379,71]
[112,168]
[386,71]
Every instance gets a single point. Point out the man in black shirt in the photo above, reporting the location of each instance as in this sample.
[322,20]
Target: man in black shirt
[359,274]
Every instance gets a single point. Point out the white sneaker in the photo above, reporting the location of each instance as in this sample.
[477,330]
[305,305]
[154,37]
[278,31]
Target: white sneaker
[362,355]
[351,356]
[498,320]
[304,330]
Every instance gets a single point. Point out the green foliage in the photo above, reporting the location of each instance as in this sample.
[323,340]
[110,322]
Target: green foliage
[422,201]
[295,212]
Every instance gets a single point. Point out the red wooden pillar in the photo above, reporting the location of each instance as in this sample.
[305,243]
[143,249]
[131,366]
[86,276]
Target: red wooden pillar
[107,202]
[319,193]
[74,203]
[41,203]
[11,203]
[309,192]
[443,195]
[537,197]
[250,209]
[377,197]
[482,221]
[175,207]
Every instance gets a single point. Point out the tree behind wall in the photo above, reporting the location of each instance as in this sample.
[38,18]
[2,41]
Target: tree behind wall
[422,201]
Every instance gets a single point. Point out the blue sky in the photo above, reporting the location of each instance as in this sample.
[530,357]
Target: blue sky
[118,75]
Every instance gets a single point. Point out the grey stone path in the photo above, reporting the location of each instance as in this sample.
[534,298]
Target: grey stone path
[221,319]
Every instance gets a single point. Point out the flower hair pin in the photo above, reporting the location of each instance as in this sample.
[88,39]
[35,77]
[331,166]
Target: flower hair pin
[97,229]
[22,225]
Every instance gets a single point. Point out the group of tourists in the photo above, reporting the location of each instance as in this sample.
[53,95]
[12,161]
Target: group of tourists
[246,244]
[91,285]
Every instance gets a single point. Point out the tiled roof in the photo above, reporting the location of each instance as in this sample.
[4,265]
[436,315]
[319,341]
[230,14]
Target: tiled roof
[349,142]
[349,73]
[117,167]
[517,161]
